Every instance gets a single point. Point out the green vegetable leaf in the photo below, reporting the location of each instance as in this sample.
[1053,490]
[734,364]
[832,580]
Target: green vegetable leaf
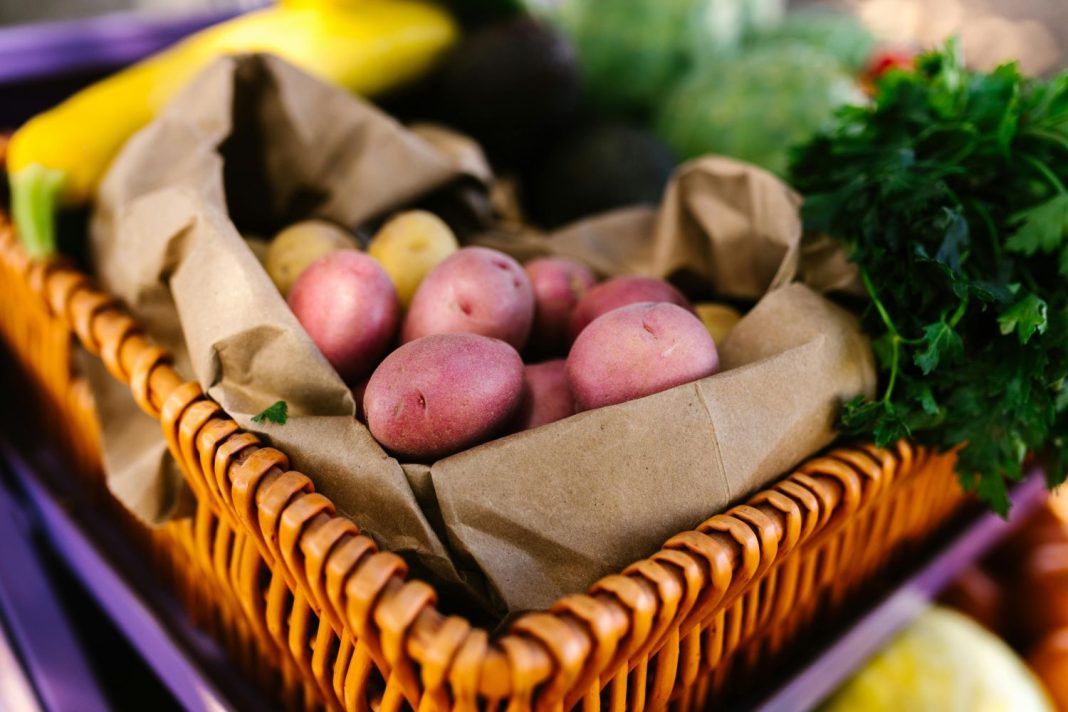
[940,342]
[277,413]
[1025,318]
[891,428]
[1041,228]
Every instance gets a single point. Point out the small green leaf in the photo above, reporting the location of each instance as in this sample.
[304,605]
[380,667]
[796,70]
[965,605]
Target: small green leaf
[1041,228]
[1025,317]
[890,428]
[277,413]
[940,343]
[859,415]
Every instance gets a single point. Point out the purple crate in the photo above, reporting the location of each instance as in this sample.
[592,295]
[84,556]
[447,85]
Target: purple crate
[187,661]
[46,50]
[54,664]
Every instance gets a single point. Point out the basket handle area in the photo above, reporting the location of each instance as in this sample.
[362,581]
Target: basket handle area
[645,616]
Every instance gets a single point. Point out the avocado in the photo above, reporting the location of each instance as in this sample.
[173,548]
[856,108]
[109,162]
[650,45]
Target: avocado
[597,169]
[509,85]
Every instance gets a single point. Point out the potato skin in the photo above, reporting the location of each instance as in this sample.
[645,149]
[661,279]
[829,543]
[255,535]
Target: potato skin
[477,291]
[638,350]
[619,292]
[719,319]
[559,284]
[443,393]
[293,249]
[347,304]
[409,246]
[546,395]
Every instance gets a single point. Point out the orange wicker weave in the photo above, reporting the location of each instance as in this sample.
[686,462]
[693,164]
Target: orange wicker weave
[319,616]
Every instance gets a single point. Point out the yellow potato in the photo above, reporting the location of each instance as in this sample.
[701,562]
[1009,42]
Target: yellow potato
[300,244]
[719,319]
[409,246]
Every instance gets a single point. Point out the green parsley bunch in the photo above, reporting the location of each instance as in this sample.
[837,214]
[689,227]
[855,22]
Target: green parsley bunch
[949,193]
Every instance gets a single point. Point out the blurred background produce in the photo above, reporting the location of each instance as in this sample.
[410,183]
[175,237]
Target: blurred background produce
[578,91]
[1015,613]
[943,661]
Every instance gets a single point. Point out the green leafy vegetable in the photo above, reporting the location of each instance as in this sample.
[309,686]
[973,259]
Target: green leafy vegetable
[948,191]
[277,413]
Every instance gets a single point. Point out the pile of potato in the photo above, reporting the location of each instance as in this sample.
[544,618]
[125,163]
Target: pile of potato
[429,335]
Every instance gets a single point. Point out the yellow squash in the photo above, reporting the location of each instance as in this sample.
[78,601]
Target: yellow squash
[366,46]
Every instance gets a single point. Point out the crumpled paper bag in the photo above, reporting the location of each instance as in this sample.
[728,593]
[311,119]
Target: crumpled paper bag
[523,519]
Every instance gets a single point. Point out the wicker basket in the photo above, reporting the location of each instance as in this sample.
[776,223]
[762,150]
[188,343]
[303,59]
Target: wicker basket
[321,618]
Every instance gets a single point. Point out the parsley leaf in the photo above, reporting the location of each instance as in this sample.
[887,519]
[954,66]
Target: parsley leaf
[1025,318]
[940,341]
[277,413]
[1042,228]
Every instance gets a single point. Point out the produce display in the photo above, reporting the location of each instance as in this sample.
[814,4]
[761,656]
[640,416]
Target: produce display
[462,295]
[949,194]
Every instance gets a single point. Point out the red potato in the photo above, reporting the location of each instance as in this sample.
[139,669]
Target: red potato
[347,304]
[638,350]
[558,285]
[477,291]
[619,292]
[546,395]
[440,394]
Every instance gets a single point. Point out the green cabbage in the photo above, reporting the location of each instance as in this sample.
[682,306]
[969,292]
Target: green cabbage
[632,51]
[836,33]
[757,105]
[944,661]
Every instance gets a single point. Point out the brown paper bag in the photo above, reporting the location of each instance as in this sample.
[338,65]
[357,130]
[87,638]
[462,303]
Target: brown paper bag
[523,519]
